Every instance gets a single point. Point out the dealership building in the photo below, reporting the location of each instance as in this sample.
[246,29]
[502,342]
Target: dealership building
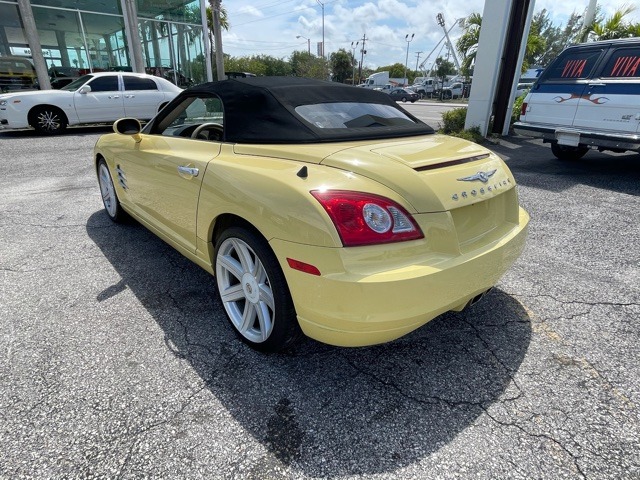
[161,37]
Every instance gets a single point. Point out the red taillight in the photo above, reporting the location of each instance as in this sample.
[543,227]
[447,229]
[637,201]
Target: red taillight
[367,219]
[523,109]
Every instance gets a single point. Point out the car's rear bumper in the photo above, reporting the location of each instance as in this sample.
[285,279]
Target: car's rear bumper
[589,138]
[365,308]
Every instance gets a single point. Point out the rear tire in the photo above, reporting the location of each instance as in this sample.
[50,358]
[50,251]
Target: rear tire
[254,291]
[564,152]
[48,120]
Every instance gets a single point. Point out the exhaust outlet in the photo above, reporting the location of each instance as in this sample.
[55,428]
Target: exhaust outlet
[478,297]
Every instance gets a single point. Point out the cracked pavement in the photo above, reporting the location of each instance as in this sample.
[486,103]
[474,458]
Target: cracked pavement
[117,362]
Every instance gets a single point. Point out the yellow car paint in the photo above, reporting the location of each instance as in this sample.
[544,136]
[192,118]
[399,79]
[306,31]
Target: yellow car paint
[364,295]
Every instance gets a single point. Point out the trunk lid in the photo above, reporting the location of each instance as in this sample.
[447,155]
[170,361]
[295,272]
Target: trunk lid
[433,173]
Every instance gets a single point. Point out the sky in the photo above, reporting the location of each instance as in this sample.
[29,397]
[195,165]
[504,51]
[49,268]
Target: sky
[270,27]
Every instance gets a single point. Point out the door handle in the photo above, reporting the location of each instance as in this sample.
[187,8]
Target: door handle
[597,85]
[114,96]
[129,96]
[188,171]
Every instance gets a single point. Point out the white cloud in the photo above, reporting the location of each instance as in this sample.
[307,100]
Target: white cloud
[270,27]
[250,10]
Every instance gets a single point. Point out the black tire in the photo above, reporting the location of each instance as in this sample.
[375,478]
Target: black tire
[404,99]
[249,276]
[108,192]
[447,95]
[48,120]
[563,152]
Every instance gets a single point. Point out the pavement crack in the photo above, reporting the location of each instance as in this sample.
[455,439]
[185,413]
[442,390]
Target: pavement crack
[545,436]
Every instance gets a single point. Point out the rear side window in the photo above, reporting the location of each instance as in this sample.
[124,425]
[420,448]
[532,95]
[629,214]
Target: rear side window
[137,83]
[576,64]
[624,63]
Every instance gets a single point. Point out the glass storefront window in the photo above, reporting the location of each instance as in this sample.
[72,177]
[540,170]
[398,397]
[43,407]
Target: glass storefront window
[81,36]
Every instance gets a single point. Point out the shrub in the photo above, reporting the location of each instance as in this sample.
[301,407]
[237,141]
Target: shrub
[453,120]
[453,124]
[517,106]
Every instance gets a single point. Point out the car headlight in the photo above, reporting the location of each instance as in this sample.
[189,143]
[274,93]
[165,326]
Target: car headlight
[3,103]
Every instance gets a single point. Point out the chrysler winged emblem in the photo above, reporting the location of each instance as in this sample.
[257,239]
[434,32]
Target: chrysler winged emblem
[482,176]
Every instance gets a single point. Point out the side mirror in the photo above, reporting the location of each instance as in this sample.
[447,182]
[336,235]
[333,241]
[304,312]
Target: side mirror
[84,89]
[128,126]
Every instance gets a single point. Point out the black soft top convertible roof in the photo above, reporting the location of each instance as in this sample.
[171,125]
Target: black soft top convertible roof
[262,110]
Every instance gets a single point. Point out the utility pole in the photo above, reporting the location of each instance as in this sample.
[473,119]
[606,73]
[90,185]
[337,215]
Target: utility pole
[362,53]
[417,60]
[217,34]
[406,60]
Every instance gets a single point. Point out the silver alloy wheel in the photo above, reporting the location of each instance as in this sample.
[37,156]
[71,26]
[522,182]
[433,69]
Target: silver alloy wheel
[49,120]
[107,190]
[245,290]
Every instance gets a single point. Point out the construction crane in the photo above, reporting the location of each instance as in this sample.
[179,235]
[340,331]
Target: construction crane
[440,19]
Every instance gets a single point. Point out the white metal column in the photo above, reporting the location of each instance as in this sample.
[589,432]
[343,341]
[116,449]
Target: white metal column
[495,24]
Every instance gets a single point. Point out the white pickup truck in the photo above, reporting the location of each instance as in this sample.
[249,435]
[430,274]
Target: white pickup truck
[454,90]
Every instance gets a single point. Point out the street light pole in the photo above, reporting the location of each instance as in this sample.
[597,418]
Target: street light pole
[406,61]
[353,63]
[322,5]
[308,42]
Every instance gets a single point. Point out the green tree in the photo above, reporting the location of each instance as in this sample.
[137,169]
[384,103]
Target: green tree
[342,63]
[395,71]
[444,67]
[615,26]
[262,65]
[304,64]
[536,45]
[467,44]
[557,38]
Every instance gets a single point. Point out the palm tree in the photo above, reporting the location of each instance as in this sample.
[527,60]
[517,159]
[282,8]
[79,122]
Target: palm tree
[467,44]
[615,26]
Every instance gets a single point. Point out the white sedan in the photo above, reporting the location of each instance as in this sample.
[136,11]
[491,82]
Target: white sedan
[93,98]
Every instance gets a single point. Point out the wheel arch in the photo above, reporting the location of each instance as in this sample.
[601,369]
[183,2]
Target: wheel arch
[33,109]
[227,220]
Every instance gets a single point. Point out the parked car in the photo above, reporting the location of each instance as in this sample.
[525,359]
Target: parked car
[320,208]
[404,94]
[589,97]
[16,73]
[93,98]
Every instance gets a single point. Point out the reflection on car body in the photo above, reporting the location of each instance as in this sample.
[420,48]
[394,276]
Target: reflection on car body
[320,208]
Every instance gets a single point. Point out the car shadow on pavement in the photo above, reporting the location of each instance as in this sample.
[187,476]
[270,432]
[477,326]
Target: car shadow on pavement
[534,165]
[321,410]
[71,131]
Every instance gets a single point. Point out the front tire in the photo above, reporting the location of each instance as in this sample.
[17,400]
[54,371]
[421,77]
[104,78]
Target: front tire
[564,152]
[108,192]
[254,291]
[48,120]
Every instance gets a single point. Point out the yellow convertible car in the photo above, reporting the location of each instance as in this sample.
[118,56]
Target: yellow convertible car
[322,209]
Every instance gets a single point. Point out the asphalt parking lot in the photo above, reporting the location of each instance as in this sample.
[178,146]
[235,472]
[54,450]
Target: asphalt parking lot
[117,360]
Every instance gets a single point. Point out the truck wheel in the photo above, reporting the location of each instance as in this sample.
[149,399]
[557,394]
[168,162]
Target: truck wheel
[564,152]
